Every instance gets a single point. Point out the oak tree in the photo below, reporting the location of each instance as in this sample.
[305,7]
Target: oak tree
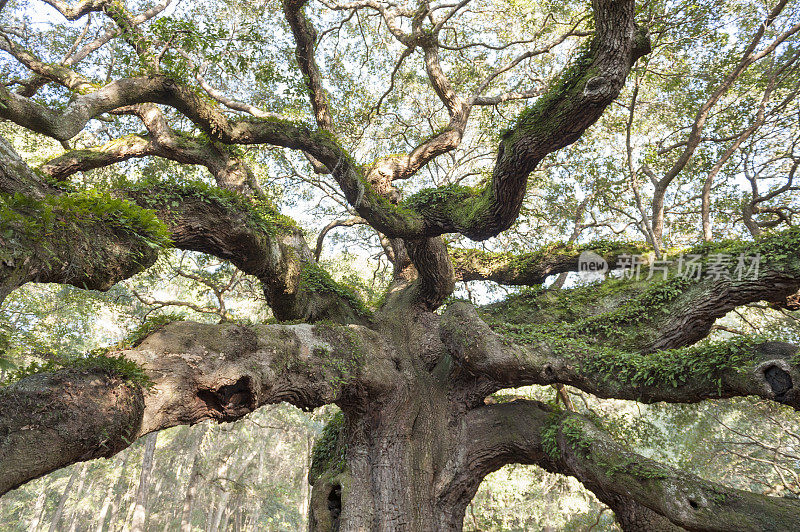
[245,88]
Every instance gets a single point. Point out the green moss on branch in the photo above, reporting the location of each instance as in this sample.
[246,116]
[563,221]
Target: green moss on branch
[261,213]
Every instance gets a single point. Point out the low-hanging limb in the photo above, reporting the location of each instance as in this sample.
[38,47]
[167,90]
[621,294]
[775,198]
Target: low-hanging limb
[88,241]
[633,339]
[198,372]
[644,494]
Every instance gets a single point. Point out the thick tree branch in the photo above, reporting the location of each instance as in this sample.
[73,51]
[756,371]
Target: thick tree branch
[737,368]
[533,268]
[559,117]
[269,247]
[628,338]
[199,372]
[96,241]
[79,9]
[86,241]
[305,39]
[634,486]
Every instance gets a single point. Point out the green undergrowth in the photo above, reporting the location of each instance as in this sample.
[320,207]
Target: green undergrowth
[571,428]
[148,327]
[37,218]
[170,193]
[594,309]
[438,197]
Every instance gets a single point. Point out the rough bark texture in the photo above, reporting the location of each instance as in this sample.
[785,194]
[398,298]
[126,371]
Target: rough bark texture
[51,420]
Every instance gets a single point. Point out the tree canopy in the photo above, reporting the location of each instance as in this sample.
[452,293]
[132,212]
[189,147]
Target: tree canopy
[460,164]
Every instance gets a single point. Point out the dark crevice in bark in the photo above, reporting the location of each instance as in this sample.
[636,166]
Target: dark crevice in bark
[779,380]
[230,401]
[335,505]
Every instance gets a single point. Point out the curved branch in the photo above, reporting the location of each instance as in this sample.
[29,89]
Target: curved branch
[305,38]
[228,169]
[559,118]
[96,241]
[268,246]
[638,489]
[349,222]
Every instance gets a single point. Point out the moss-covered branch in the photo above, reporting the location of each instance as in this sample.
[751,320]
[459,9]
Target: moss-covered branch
[558,118]
[530,269]
[94,239]
[54,418]
[692,374]
[644,494]
[665,305]
[86,239]
[635,339]
[257,239]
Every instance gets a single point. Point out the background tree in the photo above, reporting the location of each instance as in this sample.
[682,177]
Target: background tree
[434,153]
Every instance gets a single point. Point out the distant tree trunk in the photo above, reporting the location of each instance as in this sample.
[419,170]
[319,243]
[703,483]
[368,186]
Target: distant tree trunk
[191,486]
[78,494]
[140,512]
[223,503]
[109,508]
[227,492]
[304,485]
[76,512]
[64,496]
[38,509]
[210,512]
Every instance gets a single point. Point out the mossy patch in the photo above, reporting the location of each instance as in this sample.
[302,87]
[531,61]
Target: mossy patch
[97,360]
[36,218]
[261,213]
[315,279]
[328,453]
